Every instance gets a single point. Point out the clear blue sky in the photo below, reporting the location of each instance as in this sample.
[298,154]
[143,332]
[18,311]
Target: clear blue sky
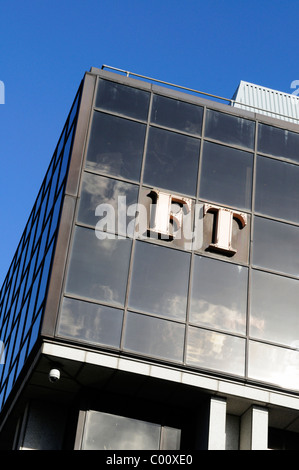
[47,45]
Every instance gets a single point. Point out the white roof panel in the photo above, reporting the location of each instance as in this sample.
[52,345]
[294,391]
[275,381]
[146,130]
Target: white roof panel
[266,101]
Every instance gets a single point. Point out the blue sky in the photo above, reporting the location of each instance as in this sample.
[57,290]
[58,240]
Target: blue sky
[47,45]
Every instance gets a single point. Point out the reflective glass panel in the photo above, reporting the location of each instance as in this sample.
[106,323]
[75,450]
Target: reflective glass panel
[279,366]
[116,146]
[211,350]
[275,245]
[172,161]
[98,268]
[230,129]
[226,175]
[122,99]
[173,113]
[274,308]
[113,196]
[278,142]
[90,322]
[277,189]
[219,295]
[104,431]
[154,337]
[171,438]
[159,282]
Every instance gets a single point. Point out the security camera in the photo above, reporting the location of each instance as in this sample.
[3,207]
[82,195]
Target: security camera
[54,375]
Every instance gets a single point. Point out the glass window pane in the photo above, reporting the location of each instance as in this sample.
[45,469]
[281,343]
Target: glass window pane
[172,161]
[278,142]
[98,268]
[122,99]
[118,195]
[226,176]
[104,431]
[274,308]
[91,323]
[280,366]
[171,438]
[274,246]
[116,146]
[230,129]
[277,189]
[185,117]
[211,350]
[65,158]
[74,109]
[154,337]
[219,295]
[159,280]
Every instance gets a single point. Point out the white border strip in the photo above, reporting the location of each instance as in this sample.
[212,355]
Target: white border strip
[210,384]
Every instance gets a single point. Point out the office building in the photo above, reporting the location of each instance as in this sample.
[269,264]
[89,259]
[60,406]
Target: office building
[152,300]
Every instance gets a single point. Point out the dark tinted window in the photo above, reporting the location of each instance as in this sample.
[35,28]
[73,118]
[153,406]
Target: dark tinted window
[154,337]
[116,146]
[277,189]
[105,431]
[172,161]
[160,280]
[98,268]
[219,295]
[274,317]
[114,196]
[230,129]
[279,142]
[211,350]
[278,366]
[182,116]
[122,99]
[275,246]
[226,176]
[90,322]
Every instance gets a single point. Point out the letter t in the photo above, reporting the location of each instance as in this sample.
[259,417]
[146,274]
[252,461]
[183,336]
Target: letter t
[224,220]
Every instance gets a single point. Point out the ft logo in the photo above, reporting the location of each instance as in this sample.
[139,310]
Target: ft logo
[178,221]
[205,227]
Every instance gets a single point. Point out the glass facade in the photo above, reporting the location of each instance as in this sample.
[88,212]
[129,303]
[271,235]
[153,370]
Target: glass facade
[104,431]
[181,303]
[189,300]
[23,294]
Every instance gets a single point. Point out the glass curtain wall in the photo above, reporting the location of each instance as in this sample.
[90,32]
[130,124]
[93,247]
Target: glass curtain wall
[183,303]
[23,293]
